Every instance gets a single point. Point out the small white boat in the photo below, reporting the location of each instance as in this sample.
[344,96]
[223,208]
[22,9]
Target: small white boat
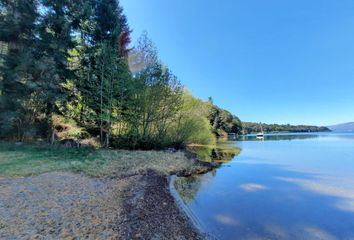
[261,134]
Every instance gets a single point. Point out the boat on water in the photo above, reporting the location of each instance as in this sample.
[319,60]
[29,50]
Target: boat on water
[260,135]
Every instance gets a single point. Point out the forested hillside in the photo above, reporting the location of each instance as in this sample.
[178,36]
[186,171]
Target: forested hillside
[223,122]
[250,127]
[68,70]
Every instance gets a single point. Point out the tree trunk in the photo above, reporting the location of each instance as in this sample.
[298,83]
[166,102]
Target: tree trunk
[52,137]
[107,140]
[101,105]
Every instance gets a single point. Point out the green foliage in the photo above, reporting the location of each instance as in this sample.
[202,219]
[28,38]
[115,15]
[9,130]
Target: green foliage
[223,121]
[192,124]
[17,35]
[66,72]
[249,127]
[150,112]
[68,128]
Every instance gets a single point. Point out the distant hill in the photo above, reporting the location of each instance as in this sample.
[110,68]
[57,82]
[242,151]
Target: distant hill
[344,127]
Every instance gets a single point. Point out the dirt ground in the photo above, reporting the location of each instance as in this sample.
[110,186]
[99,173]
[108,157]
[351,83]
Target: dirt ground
[61,205]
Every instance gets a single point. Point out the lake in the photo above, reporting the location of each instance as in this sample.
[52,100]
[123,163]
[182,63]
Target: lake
[298,186]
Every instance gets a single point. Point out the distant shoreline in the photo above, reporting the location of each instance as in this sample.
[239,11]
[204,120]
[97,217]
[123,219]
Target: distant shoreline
[299,133]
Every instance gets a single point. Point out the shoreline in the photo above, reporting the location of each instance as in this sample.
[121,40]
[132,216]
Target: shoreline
[64,204]
[182,206]
[201,229]
[59,193]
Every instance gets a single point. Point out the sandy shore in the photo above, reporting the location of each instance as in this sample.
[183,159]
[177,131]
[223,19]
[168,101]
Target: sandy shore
[74,206]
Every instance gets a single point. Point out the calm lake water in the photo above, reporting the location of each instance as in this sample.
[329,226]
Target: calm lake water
[297,186]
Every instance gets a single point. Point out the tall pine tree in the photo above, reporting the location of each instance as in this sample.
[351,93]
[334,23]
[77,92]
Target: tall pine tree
[53,51]
[18,36]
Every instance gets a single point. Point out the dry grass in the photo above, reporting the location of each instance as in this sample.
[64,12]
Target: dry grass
[27,160]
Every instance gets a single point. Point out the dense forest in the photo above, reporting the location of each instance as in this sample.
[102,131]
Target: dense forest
[68,70]
[250,127]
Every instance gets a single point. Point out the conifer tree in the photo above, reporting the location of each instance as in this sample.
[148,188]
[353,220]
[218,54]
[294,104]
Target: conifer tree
[53,48]
[18,36]
[105,60]
[72,59]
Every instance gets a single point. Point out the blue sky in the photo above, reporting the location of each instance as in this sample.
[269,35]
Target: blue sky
[274,61]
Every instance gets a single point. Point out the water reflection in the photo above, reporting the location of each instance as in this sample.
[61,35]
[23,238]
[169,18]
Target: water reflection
[218,153]
[301,189]
[187,187]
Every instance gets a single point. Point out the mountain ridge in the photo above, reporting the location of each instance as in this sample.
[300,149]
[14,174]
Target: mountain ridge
[342,127]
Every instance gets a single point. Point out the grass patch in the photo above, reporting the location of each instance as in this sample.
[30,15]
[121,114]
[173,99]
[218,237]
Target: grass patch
[30,159]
